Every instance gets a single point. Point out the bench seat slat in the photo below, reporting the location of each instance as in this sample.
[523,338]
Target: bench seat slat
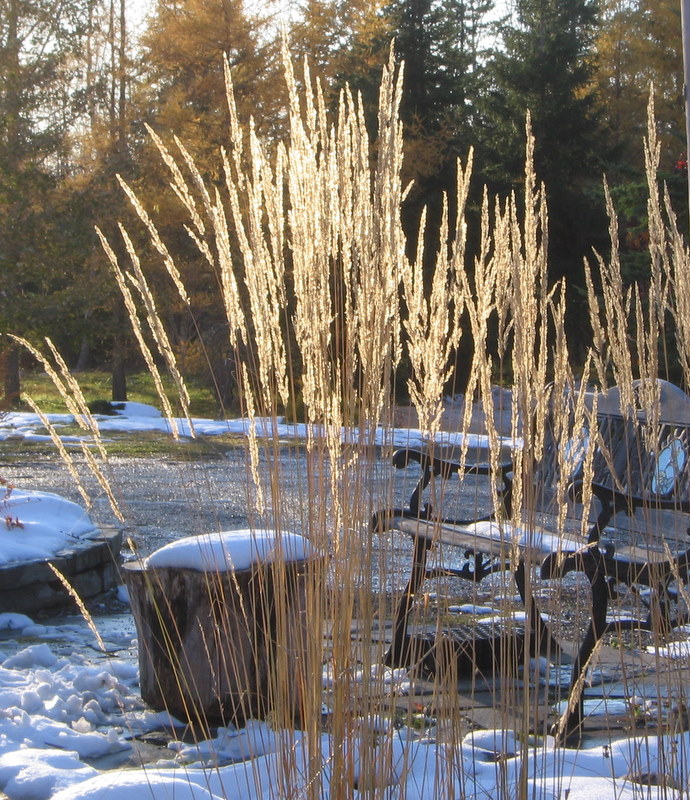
[495,539]
[533,544]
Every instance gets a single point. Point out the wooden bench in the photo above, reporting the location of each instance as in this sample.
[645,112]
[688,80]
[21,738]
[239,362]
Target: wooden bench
[634,466]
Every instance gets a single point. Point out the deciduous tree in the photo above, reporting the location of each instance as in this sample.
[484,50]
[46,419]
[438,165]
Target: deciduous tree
[184,50]
[639,47]
[38,40]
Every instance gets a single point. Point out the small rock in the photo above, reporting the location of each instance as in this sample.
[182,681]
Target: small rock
[653,779]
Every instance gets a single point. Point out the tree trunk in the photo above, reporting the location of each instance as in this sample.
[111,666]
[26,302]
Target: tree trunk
[84,356]
[119,352]
[9,374]
[119,373]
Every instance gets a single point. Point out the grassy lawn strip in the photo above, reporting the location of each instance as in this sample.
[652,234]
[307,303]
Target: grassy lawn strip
[126,445]
[96,386]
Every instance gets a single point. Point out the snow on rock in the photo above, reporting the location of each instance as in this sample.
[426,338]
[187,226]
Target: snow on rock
[158,785]
[230,744]
[57,711]
[227,551]
[37,655]
[14,622]
[37,525]
[677,649]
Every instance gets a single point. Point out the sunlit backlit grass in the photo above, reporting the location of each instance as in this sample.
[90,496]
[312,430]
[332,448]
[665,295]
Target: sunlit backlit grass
[306,243]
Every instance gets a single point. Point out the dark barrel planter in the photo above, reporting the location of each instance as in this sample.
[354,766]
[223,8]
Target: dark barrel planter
[219,648]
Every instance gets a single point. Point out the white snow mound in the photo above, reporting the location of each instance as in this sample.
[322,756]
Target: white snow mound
[36,525]
[228,551]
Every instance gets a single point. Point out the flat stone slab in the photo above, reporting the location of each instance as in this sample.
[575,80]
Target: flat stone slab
[91,566]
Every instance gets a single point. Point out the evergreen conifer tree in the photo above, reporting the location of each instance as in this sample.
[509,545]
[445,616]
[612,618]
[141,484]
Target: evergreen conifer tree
[546,68]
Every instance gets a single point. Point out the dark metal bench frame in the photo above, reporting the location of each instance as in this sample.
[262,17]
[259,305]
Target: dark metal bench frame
[599,557]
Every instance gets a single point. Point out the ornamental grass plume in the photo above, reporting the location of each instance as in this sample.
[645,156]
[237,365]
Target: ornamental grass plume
[324,306]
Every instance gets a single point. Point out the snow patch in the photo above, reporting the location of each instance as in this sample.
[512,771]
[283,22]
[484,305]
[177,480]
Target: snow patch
[37,525]
[228,551]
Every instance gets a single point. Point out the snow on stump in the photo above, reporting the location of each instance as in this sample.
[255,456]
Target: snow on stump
[222,626]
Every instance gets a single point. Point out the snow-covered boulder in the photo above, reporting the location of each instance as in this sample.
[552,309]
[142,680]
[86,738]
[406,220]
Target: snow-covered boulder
[36,525]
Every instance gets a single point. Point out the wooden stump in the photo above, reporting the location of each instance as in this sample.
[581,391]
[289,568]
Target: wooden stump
[218,648]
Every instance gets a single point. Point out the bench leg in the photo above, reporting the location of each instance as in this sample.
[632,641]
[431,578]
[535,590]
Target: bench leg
[568,730]
[398,655]
[542,640]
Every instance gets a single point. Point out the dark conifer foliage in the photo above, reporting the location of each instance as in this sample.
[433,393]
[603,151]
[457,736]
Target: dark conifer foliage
[546,68]
[442,44]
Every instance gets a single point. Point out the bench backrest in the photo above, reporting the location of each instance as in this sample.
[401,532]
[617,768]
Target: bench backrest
[642,454]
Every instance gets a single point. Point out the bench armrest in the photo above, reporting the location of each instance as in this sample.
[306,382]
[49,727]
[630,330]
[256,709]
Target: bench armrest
[625,501]
[438,465]
[434,466]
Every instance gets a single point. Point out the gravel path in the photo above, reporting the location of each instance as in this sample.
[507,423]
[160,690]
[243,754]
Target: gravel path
[161,498]
[165,498]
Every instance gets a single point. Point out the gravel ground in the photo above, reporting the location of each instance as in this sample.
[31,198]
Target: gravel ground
[161,498]
[164,498]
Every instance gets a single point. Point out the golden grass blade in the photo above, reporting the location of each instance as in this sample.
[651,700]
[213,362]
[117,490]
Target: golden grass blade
[138,280]
[80,605]
[70,402]
[79,398]
[102,480]
[139,334]
[157,242]
[62,450]
[179,185]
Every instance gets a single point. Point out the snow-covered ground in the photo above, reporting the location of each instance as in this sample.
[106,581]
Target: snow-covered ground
[69,710]
[134,417]
[63,714]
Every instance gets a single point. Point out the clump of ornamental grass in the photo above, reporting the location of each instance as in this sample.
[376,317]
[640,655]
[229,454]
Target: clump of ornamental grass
[321,301]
